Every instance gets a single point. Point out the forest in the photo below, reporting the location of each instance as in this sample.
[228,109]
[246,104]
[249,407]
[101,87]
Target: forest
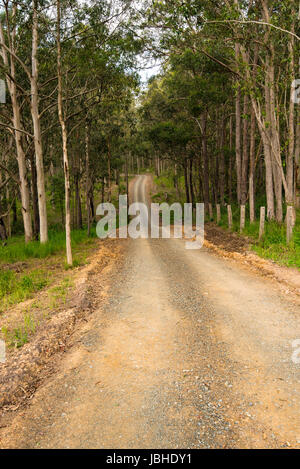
[220,118]
[149,338]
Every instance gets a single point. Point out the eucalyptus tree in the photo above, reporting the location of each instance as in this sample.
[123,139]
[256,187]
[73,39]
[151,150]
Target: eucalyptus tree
[8,32]
[259,47]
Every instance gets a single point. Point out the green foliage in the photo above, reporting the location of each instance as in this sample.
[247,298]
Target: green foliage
[59,293]
[57,190]
[16,250]
[15,288]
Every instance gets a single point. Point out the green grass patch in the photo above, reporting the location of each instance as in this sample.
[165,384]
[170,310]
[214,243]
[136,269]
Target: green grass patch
[273,245]
[15,288]
[58,294]
[17,251]
[19,336]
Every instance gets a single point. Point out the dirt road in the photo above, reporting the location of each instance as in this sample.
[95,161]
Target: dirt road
[187,351]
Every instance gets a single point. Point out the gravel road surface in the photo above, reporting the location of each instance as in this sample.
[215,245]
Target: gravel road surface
[187,350]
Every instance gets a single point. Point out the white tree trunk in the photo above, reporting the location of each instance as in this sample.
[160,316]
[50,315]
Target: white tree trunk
[65,142]
[24,187]
[37,131]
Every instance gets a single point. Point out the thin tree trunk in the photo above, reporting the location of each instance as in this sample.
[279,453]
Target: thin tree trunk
[275,142]
[8,193]
[297,162]
[191,187]
[252,168]
[268,164]
[215,186]
[77,202]
[34,195]
[109,171]
[64,140]
[230,161]
[245,160]
[186,182]
[102,190]
[238,154]
[3,232]
[252,149]
[291,123]
[87,175]
[14,208]
[126,178]
[37,130]
[200,177]
[24,187]
[205,161]
[92,203]
[222,160]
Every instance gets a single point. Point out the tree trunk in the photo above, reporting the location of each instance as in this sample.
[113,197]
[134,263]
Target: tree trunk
[252,168]
[205,161]
[126,178]
[245,160]
[215,186]
[78,202]
[87,175]
[200,177]
[64,140]
[230,161]
[297,162]
[186,182]
[37,131]
[3,233]
[264,130]
[109,171]
[92,203]
[291,123]
[102,190]
[34,195]
[238,155]
[252,150]
[8,217]
[275,141]
[266,135]
[191,187]
[222,160]
[24,187]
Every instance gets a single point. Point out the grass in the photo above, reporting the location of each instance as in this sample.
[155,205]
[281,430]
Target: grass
[272,246]
[19,336]
[18,331]
[26,269]
[17,251]
[15,288]
[58,294]
[40,264]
